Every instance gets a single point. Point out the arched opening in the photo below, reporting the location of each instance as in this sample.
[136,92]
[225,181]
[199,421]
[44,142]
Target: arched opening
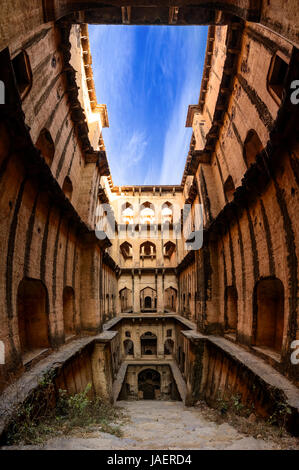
[68,311]
[168,347]
[149,384]
[229,189]
[277,75]
[126,250]
[125,296]
[170,299]
[129,347]
[46,145]
[148,302]
[148,344]
[252,147]
[23,73]
[32,316]
[127,213]
[67,187]
[167,213]
[269,313]
[148,250]
[169,249]
[231,298]
[147,213]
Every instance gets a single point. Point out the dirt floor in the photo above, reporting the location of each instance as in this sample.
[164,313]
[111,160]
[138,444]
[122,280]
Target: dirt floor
[169,425]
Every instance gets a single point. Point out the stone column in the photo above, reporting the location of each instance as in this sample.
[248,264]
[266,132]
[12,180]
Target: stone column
[90,286]
[137,345]
[160,343]
[102,371]
[160,302]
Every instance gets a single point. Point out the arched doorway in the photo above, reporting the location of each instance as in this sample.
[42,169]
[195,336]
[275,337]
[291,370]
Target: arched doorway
[126,303]
[168,347]
[32,316]
[129,347]
[231,299]
[149,383]
[148,300]
[252,147]
[269,313]
[148,344]
[170,299]
[68,311]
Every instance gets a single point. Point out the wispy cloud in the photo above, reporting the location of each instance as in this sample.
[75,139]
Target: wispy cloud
[177,136]
[147,76]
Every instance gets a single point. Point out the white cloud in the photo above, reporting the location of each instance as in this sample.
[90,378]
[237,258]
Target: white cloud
[168,81]
[177,138]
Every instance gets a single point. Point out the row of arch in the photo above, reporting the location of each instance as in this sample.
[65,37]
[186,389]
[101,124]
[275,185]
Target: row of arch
[147,249]
[146,213]
[147,299]
[268,313]
[148,345]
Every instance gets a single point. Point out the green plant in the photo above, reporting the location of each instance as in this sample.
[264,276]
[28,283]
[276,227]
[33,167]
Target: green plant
[40,418]
[280,415]
[222,405]
[237,404]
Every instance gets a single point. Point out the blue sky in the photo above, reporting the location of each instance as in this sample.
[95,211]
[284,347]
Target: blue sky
[147,76]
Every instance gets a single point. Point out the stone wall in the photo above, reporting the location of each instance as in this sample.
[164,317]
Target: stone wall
[51,269]
[244,161]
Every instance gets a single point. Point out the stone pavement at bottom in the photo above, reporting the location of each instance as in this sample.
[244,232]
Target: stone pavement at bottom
[162,425]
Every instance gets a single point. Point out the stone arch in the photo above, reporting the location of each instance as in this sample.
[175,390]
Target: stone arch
[168,347]
[170,299]
[268,315]
[127,213]
[129,347]
[229,188]
[32,301]
[67,187]
[126,301]
[68,311]
[126,250]
[46,145]
[148,342]
[148,299]
[231,300]
[149,383]
[147,213]
[168,249]
[147,249]
[167,213]
[252,147]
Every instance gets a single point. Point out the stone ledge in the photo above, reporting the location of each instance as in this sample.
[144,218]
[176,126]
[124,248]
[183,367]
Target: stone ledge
[17,392]
[266,373]
[159,316]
